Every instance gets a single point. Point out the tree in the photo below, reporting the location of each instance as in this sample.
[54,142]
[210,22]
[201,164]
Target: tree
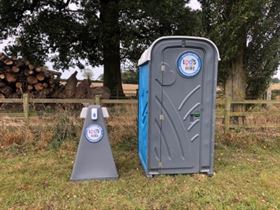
[263,49]
[275,80]
[69,32]
[75,30]
[247,35]
[130,77]
[143,21]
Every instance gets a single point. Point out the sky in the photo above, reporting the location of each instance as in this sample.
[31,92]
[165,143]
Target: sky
[194,4]
[97,71]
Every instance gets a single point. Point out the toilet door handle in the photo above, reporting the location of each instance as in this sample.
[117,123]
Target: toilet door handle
[195,114]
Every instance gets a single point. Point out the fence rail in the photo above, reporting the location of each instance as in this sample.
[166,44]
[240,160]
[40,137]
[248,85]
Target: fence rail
[26,100]
[226,114]
[96,100]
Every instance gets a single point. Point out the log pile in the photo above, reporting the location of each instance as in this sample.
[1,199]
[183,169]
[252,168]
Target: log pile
[18,76]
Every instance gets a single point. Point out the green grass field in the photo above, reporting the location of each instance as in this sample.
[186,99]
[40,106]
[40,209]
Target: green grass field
[245,178]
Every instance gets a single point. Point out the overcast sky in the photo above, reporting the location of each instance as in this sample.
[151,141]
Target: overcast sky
[194,4]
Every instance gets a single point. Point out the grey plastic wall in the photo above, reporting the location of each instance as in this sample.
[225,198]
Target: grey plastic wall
[179,142]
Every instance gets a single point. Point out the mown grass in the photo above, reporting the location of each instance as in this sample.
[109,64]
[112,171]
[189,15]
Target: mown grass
[247,176]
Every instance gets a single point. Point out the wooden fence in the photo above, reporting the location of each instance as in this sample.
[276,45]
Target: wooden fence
[25,101]
[228,113]
[225,113]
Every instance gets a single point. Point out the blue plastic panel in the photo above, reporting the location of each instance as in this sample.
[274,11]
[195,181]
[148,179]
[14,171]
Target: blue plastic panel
[143,110]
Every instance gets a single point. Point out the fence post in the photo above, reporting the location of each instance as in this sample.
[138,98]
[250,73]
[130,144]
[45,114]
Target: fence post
[227,113]
[97,100]
[26,106]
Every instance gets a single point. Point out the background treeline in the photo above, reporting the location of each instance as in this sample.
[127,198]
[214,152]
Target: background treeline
[111,32]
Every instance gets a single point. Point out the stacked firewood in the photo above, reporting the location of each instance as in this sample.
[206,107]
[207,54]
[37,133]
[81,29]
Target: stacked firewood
[18,76]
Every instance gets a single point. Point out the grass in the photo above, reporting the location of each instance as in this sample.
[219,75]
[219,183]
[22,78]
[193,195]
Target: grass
[244,179]
[247,171]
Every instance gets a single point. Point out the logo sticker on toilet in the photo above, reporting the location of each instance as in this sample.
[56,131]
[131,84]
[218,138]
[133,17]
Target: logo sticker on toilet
[94,133]
[189,64]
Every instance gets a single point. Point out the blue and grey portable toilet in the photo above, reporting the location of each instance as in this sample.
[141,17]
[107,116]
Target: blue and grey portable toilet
[176,113]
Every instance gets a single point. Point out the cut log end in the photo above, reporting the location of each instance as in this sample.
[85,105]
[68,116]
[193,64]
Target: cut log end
[18,85]
[32,80]
[15,69]
[2,76]
[9,62]
[40,76]
[10,77]
[39,86]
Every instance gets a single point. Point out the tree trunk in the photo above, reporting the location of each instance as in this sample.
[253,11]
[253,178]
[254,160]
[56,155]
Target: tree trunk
[235,87]
[109,15]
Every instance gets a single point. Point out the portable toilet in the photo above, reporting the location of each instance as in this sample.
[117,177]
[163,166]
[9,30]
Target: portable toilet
[176,108]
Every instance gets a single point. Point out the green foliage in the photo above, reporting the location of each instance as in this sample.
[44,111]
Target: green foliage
[144,21]
[130,77]
[92,30]
[263,49]
[43,27]
[250,27]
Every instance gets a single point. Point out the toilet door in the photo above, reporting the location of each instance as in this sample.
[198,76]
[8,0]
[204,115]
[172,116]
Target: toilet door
[181,112]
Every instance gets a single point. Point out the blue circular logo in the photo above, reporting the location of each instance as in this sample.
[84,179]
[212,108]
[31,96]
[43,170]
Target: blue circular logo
[189,64]
[94,133]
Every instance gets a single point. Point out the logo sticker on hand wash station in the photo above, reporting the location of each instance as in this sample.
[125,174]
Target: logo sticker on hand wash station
[94,133]
[189,64]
